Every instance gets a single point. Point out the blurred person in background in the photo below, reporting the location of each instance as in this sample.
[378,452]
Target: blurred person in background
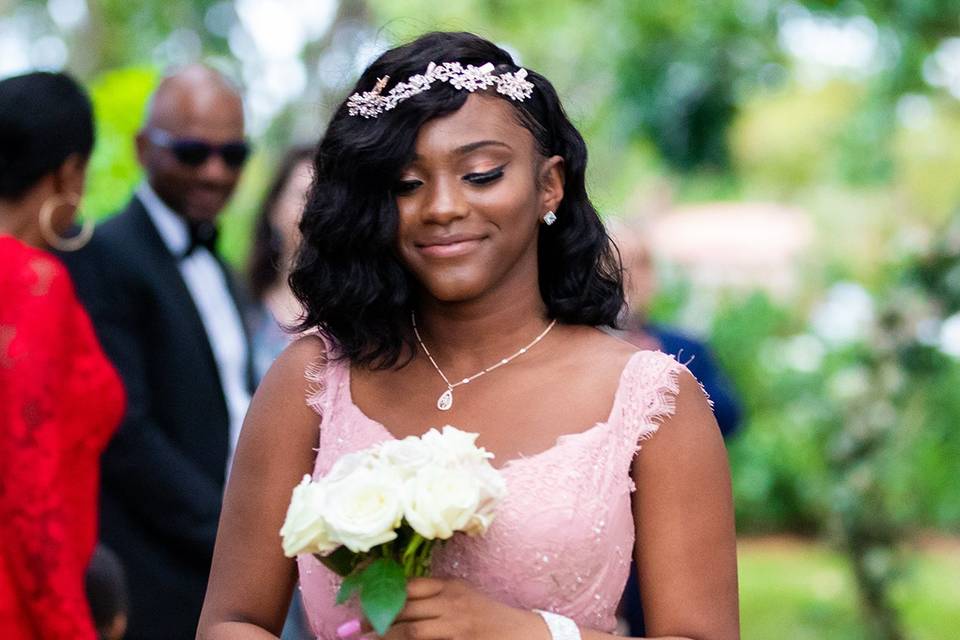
[640,286]
[170,317]
[60,398]
[275,239]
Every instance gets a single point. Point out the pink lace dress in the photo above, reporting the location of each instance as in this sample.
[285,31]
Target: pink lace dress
[563,537]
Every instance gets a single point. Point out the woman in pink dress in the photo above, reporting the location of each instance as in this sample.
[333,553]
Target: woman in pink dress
[448,238]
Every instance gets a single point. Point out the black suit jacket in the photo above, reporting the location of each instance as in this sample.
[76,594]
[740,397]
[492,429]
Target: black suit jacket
[163,473]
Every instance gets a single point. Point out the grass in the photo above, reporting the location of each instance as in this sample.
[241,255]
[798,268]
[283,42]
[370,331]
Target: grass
[799,590]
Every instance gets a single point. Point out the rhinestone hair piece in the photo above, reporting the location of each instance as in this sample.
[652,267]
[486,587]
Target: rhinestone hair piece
[371,104]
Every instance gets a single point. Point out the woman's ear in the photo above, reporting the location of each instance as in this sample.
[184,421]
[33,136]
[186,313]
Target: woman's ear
[71,177]
[551,183]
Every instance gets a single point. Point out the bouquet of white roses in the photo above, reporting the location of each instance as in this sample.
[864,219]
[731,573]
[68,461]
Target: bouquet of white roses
[376,517]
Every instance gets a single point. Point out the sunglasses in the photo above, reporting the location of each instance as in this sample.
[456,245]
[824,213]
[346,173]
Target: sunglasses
[194,152]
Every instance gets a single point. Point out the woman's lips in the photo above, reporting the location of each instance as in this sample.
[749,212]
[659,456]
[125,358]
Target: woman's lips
[449,249]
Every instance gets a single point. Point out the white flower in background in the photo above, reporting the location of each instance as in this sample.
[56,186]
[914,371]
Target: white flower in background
[304,529]
[439,501]
[453,446]
[949,341]
[802,353]
[407,455]
[364,508]
[847,314]
[849,383]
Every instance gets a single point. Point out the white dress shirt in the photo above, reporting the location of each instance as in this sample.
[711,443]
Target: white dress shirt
[208,288]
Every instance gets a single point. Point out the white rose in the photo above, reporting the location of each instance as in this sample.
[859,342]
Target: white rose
[493,488]
[455,446]
[406,456]
[347,464]
[364,508]
[439,501]
[304,529]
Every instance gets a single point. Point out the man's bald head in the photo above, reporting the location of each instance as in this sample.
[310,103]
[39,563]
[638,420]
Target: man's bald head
[189,87]
[198,105]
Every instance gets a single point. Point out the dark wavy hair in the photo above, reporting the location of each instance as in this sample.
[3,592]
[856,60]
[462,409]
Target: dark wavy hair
[44,119]
[263,268]
[348,277]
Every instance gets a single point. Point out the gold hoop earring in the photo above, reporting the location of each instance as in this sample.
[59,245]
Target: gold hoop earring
[48,232]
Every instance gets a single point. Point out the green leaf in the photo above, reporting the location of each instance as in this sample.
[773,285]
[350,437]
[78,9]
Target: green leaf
[342,561]
[383,592]
[349,586]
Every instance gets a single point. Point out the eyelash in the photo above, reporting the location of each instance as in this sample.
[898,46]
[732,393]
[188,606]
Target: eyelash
[485,178]
[404,187]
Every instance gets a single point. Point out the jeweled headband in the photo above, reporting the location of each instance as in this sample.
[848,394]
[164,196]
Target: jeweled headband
[371,104]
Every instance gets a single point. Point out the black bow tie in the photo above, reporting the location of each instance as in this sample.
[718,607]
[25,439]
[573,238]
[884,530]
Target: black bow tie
[202,234]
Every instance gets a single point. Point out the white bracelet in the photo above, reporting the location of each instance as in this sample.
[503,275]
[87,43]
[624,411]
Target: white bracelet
[561,627]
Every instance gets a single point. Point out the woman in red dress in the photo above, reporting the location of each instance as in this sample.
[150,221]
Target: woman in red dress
[60,399]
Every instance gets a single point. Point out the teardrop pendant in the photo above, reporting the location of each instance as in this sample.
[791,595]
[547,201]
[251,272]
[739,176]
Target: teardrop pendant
[445,401]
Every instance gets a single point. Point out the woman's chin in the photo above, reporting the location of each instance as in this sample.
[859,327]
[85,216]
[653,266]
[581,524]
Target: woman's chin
[453,291]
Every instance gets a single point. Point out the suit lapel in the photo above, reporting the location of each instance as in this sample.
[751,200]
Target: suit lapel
[171,280]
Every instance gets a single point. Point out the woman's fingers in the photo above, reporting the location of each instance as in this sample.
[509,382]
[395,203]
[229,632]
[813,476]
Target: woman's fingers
[424,588]
[421,609]
[421,630]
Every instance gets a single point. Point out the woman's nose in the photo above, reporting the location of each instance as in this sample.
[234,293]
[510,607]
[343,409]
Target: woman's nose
[444,202]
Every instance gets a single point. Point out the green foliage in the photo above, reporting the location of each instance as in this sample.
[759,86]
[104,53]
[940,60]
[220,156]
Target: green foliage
[383,592]
[349,587]
[119,99]
[382,589]
[796,590]
[678,68]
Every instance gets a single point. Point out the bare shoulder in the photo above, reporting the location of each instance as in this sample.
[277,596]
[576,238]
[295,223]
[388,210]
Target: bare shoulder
[291,366]
[300,354]
[689,434]
[279,404]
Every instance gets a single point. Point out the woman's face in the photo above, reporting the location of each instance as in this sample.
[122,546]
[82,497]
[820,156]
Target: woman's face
[471,201]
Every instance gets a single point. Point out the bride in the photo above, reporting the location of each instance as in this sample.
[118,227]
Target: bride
[456,273]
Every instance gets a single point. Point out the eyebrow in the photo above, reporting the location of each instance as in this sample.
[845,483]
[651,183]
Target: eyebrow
[473,146]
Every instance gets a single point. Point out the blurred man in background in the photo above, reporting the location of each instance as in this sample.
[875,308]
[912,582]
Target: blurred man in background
[640,283]
[166,310]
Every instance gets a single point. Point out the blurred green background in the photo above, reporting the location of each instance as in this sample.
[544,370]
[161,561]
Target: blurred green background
[796,166]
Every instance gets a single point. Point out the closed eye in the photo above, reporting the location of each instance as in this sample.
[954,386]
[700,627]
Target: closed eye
[403,187]
[486,177]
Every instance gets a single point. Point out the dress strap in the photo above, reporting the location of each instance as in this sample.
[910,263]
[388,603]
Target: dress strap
[646,398]
[318,374]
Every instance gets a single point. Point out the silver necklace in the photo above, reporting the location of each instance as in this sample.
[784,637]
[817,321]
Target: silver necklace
[445,401]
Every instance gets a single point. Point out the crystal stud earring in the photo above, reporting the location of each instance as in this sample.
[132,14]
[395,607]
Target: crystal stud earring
[549,218]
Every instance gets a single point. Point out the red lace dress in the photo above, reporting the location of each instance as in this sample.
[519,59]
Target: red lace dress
[60,401]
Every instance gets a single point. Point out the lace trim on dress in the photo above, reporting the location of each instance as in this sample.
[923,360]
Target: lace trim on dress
[316,376]
[650,400]
[319,390]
